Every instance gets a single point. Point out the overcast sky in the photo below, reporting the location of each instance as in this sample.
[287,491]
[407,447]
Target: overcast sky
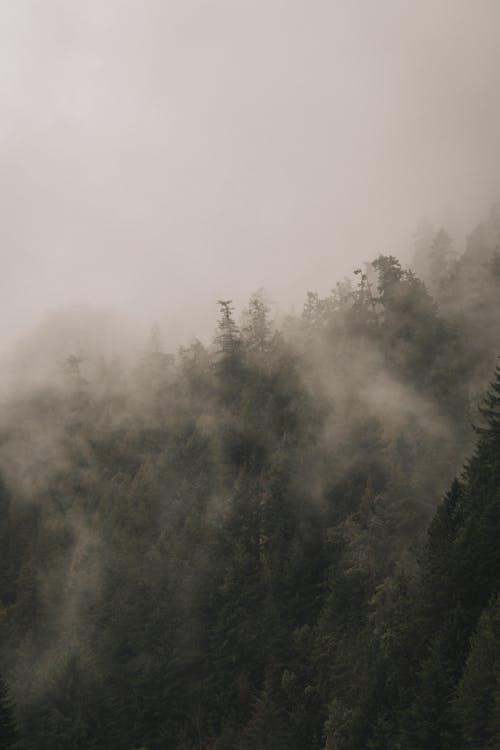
[159,154]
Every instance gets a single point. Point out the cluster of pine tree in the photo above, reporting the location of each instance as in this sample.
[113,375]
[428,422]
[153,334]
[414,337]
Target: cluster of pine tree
[241,546]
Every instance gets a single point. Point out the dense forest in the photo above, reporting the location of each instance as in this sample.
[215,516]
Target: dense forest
[284,540]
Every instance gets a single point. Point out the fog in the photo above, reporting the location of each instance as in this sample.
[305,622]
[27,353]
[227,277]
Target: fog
[158,155]
[228,407]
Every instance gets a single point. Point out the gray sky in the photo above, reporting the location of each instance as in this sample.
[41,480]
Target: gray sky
[159,154]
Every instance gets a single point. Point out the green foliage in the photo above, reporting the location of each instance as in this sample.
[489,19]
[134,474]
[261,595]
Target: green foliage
[8,731]
[477,701]
[231,547]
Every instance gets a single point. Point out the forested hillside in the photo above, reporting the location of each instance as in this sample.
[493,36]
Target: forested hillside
[244,545]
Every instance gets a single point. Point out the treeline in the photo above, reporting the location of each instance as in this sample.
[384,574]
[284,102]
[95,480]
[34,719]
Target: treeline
[230,547]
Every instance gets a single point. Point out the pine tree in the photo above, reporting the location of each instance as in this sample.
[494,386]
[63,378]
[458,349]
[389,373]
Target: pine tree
[257,327]
[490,409]
[228,336]
[478,692]
[8,732]
[266,729]
[228,363]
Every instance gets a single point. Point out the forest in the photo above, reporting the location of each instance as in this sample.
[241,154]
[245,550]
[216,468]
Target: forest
[285,539]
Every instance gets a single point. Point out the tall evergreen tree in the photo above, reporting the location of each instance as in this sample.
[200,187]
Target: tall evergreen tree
[8,731]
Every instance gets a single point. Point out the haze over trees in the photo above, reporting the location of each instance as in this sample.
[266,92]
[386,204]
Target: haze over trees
[287,539]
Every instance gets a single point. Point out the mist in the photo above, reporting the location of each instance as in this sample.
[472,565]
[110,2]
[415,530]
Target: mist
[249,410]
[157,156]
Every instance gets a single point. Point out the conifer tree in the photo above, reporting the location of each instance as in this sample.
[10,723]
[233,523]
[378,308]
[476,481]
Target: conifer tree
[478,693]
[8,733]
[490,409]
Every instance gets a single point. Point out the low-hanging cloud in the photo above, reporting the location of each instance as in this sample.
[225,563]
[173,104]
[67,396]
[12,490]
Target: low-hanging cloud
[158,156]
